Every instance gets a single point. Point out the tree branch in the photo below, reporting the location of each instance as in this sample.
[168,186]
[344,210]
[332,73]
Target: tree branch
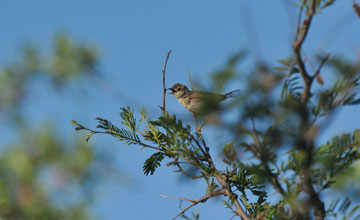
[163,108]
[301,34]
[194,202]
[225,182]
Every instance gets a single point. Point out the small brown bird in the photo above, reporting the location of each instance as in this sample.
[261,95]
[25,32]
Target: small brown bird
[199,102]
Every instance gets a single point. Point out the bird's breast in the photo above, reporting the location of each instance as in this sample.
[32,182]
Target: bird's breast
[190,104]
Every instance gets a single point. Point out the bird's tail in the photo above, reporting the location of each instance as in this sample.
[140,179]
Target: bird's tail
[233,93]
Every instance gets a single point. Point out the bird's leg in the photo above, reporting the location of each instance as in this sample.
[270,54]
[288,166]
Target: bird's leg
[203,124]
[197,124]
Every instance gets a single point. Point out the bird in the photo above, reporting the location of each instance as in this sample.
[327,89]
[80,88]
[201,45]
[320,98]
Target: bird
[199,102]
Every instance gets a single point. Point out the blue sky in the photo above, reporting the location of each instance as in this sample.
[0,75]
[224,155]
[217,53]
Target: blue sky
[133,38]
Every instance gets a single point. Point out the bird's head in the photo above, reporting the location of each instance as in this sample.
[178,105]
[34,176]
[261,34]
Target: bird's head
[178,90]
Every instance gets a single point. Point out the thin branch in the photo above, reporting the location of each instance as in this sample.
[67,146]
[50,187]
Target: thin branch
[232,217]
[323,61]
[299,18]
[207,149]
[197,143]
[225,182]
[301,33]
[182,198]
[317,75]
[194,202]
[175,162]
[163,108]
[273,178]
[191,84]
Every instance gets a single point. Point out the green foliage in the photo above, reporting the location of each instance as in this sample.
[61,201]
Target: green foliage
[25,193]
[71,59]
[230,153]
[68,60]
[221,78]
[336,156]
[42,174]
[291,85]
[152,163]
[344,206]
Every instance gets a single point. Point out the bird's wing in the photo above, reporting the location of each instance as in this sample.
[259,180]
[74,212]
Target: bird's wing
[210,96]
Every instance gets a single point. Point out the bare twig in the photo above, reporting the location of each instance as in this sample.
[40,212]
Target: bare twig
[195,202]
[163,108]
[191,84]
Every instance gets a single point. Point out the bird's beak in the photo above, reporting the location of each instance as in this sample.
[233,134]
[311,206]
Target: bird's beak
[171,90]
